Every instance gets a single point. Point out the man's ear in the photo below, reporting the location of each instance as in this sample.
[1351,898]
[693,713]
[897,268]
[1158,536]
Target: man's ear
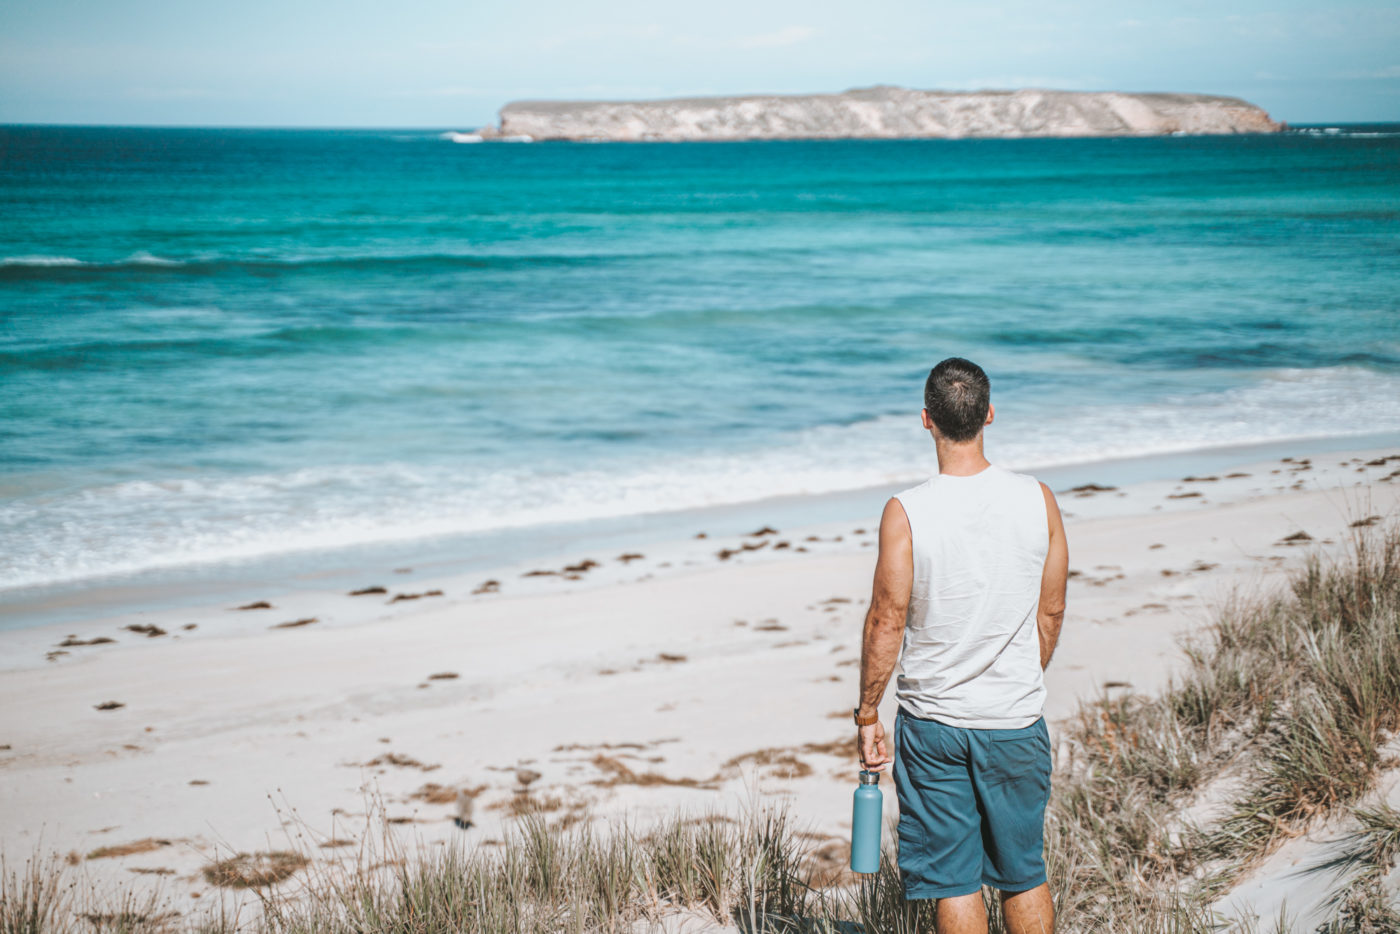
[923,417]
[991,413]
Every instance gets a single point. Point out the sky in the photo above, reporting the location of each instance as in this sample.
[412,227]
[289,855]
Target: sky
[441,64]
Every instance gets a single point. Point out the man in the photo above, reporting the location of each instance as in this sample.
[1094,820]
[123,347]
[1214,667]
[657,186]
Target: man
[969,595]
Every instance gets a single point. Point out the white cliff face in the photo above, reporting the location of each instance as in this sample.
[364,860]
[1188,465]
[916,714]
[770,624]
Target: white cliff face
[884,113]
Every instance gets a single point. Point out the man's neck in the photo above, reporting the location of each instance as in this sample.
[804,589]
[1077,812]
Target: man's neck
[961,460]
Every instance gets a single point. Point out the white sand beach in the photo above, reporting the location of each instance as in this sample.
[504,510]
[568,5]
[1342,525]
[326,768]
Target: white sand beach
[622,689]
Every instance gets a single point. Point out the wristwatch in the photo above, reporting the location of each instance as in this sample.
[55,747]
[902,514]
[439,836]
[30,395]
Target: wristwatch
[865,721]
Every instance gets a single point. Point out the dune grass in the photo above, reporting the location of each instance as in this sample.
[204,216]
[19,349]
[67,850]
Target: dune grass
[1294,693]
[1368,855]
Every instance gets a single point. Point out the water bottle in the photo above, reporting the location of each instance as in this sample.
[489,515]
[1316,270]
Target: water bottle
[866,815]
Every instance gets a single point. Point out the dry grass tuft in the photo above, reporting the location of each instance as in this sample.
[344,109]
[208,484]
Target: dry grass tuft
[71,641]
[836,747]
[780,763]
[619,774]
[398,761]
[433,793]
[573,747]
[129,849]
[254,870]
[125,921]
[523,803]
[293,624]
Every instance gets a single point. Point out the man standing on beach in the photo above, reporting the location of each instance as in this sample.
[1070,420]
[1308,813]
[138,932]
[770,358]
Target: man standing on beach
[969,595]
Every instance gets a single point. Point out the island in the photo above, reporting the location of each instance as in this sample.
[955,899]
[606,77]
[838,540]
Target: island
[881,112]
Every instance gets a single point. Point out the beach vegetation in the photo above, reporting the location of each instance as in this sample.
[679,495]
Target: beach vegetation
[1280,718]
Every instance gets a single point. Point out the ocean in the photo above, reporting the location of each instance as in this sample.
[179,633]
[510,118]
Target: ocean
[230,346]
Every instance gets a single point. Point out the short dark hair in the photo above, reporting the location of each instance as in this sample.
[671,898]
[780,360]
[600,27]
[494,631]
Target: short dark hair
[957,395]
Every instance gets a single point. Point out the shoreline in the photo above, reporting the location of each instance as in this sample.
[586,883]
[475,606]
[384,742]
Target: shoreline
[199,584]
[631,691]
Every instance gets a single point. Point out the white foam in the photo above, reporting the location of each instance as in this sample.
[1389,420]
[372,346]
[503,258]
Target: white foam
[130,526]
[40,261]
[139,258]
[1343,133]
[142,258]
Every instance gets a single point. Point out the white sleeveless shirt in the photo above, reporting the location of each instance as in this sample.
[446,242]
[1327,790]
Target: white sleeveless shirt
[971,653]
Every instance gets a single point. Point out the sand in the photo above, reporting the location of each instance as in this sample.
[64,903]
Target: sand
[621,689]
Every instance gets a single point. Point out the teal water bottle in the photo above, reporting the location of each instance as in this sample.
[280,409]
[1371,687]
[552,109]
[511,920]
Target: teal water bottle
[866,815]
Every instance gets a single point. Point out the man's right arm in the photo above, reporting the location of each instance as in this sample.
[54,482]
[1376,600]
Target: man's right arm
[1053,581]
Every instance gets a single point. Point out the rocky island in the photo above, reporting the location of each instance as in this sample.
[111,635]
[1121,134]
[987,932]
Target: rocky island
[881,112]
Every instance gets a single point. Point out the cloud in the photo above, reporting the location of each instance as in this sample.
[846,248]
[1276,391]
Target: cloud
[788,35]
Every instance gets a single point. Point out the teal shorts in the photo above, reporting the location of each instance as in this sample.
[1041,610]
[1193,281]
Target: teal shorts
[971,806]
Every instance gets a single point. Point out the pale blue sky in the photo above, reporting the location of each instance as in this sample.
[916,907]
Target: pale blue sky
[431,63]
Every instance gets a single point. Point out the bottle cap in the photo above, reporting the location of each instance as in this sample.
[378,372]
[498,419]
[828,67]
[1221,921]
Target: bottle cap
[869,778]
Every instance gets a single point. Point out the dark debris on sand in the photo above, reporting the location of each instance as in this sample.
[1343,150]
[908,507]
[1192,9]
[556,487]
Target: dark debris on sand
[295,623]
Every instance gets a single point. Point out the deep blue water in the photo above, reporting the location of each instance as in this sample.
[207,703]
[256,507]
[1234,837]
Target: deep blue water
[218,344]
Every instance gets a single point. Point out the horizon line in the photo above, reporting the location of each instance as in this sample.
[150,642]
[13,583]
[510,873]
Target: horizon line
[6,125]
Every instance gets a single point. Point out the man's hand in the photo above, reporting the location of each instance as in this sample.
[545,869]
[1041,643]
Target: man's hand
[874,757]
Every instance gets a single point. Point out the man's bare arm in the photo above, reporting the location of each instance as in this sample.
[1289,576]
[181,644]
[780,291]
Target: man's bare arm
[889,600]
[1053,580]
[884,625]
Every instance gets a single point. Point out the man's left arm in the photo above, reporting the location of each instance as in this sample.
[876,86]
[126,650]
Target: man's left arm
[884,629]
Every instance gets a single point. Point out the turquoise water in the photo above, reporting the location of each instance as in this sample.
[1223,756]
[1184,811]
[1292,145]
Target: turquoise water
[220,345]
